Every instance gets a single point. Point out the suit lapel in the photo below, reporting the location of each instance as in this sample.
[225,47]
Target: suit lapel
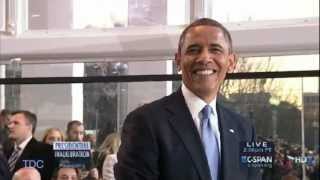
[230,147]
[25,154]
[183,124]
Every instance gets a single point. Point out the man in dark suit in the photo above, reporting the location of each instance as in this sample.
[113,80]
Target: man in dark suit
[4,172]
[188,135]
[27,151]
[4,118]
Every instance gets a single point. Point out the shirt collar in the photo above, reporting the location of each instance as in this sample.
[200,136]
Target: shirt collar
[195,103]
[24,143]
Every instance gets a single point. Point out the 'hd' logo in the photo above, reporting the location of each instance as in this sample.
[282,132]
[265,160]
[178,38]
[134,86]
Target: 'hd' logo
[309,160]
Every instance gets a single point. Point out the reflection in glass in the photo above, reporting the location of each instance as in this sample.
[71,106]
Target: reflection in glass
[279,115]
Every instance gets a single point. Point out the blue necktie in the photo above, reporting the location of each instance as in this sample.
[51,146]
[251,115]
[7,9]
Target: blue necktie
[210,142]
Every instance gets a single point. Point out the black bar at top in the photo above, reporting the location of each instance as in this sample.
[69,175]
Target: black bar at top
[144,78]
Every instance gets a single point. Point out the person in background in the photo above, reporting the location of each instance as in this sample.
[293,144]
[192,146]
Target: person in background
[4,119]
[76,132]
[92,139]
[4,171]
[107,157]
[94,154]
[66,173]
[51,135]
[5,143]
[290,177]
[27,173]
[22,125]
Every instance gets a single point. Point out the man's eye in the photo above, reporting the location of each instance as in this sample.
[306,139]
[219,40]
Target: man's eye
[193,50]
[215,50]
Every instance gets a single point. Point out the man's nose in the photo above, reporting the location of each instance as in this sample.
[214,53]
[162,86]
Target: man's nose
[205,56]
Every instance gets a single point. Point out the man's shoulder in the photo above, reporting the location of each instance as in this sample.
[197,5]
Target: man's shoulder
[41,154]
[36,145]
[152,112]
[156,105]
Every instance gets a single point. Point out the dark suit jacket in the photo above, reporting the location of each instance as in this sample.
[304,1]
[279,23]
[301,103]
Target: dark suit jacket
[4,171]
[38,152]
[160,142]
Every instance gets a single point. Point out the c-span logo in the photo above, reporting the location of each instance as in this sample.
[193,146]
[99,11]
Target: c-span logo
[257,154]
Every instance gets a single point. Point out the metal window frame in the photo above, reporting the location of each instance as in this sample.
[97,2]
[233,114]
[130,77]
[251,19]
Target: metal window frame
[148,78]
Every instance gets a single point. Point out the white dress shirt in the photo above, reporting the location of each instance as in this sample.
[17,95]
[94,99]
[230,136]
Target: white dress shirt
[22,145]
[195,105]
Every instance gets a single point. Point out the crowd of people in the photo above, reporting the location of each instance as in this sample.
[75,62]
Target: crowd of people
[23,157]
[288,162]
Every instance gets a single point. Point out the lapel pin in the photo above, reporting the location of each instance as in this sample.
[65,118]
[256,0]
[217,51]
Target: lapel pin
[231,130]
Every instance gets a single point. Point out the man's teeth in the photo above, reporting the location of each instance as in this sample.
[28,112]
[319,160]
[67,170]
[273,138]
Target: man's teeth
[204,72]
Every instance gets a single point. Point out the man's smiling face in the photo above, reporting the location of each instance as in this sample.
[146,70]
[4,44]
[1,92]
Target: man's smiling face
[204,60]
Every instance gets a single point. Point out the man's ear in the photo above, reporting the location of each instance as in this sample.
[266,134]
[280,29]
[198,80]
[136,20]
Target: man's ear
[30,126]
[233,59]
[177,59]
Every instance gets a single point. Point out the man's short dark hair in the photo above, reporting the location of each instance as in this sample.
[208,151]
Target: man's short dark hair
[205,22]
[31,117]
[71,123]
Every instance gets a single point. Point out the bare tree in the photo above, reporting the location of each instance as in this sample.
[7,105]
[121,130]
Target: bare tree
[247,86]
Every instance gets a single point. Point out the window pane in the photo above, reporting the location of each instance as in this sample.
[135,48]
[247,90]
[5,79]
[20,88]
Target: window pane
[176,12]
[252,10]
[278,108]
[101,106]
[98,68]
[83,14]
[278,63]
